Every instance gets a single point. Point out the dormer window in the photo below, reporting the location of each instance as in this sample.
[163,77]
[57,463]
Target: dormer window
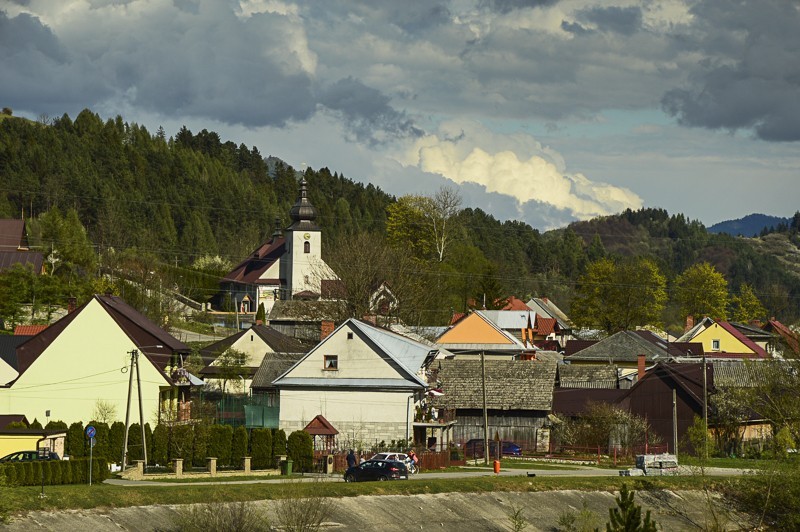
[331,362]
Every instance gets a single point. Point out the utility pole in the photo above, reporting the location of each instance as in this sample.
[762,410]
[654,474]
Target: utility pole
[705,407]
[485,413]
[128,411]
[675,422]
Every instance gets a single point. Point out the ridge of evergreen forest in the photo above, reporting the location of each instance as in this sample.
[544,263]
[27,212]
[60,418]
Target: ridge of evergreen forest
[113,206]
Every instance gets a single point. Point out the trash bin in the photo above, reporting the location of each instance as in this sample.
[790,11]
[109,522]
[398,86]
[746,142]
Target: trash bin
[286,467]
[497,466]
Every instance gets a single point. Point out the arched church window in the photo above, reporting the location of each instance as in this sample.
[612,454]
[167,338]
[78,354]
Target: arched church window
[307,247]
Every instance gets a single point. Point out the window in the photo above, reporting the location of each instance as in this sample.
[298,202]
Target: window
[715,345]
[349,335]
[306,247]
[331,362]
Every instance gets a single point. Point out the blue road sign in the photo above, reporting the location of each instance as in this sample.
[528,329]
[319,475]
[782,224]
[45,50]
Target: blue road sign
[90,432]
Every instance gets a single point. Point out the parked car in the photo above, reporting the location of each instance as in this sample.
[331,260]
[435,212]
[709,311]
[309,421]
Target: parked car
[474,448]
[376,470]
[395,457]
[29,456]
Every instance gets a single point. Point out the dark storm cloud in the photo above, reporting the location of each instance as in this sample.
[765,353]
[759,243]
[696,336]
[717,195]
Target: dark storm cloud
[366,112]
[622,20]
[749,77]
[507,6]
[38,73]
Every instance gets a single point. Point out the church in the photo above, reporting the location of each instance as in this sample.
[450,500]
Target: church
[287,267]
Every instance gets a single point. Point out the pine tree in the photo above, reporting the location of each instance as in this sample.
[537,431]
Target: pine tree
[627,516]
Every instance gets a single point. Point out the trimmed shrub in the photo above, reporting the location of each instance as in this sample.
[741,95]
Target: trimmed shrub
[75,441]
[45,472]
[239,446]
[9,474]
[78,470]
[116,438]
[56,474]
[56,425]
[300,449]
[261,448]
[160,445]
[278,443]
[134,443]
[29,478]
[181,444]
[148,433]
[66,474]
[220,438]
[200,447]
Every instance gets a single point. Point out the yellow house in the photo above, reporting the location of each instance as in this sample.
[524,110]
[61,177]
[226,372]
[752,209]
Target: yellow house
[83,361]
[476,333]
[720,339]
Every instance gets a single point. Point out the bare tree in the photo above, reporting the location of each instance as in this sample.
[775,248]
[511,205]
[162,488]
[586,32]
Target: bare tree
[441,211]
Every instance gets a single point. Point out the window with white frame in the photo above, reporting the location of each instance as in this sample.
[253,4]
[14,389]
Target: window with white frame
[331,362]
[715,345]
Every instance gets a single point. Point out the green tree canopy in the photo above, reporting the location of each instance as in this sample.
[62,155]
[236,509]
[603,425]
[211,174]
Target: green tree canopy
[702,291]
[746,305]
[620,296]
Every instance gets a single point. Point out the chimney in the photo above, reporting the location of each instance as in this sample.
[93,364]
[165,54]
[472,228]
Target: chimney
[326,329]
[72,304]
[640,367]
[259,322]
[689,323]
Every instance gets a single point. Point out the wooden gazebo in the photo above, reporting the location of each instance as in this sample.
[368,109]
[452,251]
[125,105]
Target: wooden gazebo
[322,433]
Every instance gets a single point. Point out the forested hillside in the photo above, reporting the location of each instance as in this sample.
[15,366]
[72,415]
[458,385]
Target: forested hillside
[114,206]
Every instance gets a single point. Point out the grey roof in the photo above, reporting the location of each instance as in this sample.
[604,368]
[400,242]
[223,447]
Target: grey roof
[407,355]
[273,366]
[411,354]
[382,384]
[624,346]
[510,384]
[306,311]
[547,308]
[8,348]
[510,319]
[738,374]
[587,376]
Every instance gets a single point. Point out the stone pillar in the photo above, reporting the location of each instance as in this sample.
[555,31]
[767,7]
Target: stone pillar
[246,465]
[178,467]
[212,466]
[140,468]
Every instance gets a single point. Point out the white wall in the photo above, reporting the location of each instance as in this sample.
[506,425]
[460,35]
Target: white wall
[83,365]
[365,416]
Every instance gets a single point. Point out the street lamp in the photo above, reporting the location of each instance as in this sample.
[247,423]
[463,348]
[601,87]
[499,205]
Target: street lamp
[135,363]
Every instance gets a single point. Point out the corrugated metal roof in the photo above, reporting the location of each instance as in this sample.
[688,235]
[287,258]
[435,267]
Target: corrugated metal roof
[407,352]
[509,319]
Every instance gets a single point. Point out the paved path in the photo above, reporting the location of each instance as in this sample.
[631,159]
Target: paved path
[466,473]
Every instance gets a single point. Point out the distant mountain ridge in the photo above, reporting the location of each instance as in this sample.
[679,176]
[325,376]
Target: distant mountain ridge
[750,225]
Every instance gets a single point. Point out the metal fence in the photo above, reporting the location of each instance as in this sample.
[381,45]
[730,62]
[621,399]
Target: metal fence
[248,411]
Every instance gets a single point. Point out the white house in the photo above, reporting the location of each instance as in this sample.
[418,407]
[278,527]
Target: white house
[363,379]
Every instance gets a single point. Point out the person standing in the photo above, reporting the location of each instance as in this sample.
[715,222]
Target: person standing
[351,458]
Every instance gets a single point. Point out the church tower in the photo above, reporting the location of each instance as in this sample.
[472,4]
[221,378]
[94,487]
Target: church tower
[302,267]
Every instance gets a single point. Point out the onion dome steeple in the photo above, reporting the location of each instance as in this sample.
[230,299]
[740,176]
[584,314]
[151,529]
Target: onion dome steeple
[303,213]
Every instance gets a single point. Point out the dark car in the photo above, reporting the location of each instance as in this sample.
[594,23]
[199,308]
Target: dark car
[376,470]
[29,456]
[474,449]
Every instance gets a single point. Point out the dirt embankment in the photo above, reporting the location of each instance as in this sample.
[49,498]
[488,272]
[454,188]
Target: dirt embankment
[457,512]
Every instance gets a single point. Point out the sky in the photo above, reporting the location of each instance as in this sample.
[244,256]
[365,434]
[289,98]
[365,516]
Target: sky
[544,111]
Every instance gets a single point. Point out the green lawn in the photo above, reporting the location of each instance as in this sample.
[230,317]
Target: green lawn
[21,499]
[741,463]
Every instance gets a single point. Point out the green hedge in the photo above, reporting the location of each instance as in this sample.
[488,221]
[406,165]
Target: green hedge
[300,449]
[54,471]
[261,448]
[220,438]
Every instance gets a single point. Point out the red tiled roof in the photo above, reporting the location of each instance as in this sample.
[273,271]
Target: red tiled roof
[512,303]
[789,336]
[544,326]
[457,316]
[28,330]
[253,267]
